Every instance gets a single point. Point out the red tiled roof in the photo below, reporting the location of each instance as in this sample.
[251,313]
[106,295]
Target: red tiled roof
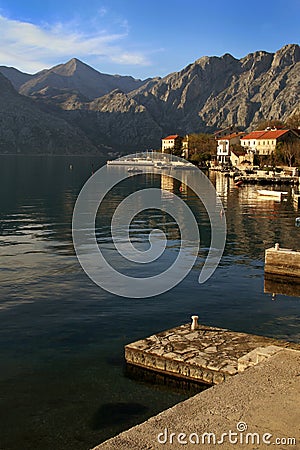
[172,136]
[265,134]
[254,135]
[274,134]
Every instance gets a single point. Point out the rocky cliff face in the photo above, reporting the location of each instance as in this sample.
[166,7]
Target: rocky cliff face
[211,93]
[25,128]
[216,92]
[119,121]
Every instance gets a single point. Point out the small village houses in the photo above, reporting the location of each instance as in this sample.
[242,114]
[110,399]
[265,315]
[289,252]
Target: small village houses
[264,142]
[224,146]
[176,144]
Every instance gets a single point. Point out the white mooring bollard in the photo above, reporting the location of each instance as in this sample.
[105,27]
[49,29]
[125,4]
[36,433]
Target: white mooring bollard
[194,325]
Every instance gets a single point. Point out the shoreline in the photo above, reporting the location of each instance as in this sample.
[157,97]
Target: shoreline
[264,401]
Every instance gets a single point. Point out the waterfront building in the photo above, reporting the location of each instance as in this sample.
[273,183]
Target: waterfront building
[185,147]
[225,144]
[264,142]
[241,159]
[171,143]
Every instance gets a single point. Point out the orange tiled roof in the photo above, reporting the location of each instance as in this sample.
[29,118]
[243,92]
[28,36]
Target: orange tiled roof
[274,134]
[169,138]
[265,134]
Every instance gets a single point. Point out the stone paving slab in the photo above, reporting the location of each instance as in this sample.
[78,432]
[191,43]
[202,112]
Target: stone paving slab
[208,354]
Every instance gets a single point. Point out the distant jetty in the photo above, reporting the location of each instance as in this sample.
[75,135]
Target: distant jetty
[268,179]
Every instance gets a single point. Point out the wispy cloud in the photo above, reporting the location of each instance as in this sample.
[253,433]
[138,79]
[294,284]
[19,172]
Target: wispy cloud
[31,47]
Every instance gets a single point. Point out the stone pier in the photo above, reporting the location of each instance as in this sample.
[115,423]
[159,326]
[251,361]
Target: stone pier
[207,354]
[282,262]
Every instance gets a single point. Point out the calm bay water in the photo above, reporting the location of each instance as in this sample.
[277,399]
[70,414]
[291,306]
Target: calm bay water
[62,378]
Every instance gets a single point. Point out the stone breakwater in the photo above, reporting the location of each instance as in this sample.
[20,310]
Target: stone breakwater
[207,354]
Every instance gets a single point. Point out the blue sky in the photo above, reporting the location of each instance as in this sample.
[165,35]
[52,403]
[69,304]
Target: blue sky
[139,37]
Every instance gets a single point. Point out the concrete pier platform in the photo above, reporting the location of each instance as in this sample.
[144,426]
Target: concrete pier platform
[208,354]
[256,409]
[282,262]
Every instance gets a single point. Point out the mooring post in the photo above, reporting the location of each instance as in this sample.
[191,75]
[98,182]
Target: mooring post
[194,325]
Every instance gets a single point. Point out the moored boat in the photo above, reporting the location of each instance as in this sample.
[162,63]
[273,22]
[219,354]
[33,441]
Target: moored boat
[134,169]
[278,195]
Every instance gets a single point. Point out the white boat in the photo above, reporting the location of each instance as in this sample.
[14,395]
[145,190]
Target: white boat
[163,165]
[131,162]
[157,160]
[135,169]
[278,195]
[178,165]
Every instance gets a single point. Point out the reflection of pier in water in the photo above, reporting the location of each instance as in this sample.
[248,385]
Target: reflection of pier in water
[276,285]
[143,375]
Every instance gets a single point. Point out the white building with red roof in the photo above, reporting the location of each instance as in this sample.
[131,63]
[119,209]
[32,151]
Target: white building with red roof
[224,144]
[170,142]
[264,142]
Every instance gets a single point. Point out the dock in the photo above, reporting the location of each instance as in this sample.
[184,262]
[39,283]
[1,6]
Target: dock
[282,262]
[268,179]
[206,354]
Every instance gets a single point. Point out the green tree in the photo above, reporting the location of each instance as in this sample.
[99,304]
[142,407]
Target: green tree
[177,149]
[201,146]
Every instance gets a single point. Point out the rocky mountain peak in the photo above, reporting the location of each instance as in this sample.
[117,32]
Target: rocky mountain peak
[71,77]
[287,56]
[212,92]
[71,68]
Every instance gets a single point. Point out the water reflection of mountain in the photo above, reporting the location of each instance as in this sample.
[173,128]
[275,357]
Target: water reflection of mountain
[253,223]
[38,195]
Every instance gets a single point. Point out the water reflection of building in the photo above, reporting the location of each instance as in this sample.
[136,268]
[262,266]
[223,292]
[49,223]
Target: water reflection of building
[254,223]
[167,182]
[221,184]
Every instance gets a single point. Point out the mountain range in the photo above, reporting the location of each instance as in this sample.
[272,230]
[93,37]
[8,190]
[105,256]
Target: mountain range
[73,108]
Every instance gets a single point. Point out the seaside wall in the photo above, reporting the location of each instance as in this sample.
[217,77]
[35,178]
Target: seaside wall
[282,262]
